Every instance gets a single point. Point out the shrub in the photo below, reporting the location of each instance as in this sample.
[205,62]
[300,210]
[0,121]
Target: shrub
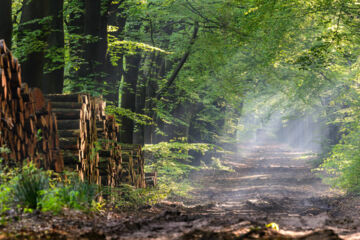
[343,164]
[72,193]
[33,188]
[129,197]
[28,186]
[172,162]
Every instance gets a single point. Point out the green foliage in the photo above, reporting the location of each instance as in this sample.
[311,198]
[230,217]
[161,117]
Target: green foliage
[171,160]
[128,197]
[293,57]
[72,193]
[122,112]
[32,188]
[343,164]
[28,186]
[5,198]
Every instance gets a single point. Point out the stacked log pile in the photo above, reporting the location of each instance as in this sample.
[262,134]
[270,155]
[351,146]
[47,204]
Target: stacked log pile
[119,163]
[58,131]
[77,132]
[151,179]
[27,123]
[90,143]
[133,165]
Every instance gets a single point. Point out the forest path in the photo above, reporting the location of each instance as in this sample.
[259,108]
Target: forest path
[275,183]
[270,183]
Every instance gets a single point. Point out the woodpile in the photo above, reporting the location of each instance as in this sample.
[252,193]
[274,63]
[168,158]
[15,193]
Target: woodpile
[151,179]
[77,133]
[63,131]
[89,139]
[27,124]
[119,163]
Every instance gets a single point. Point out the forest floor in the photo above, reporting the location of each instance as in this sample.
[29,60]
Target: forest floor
[268,184]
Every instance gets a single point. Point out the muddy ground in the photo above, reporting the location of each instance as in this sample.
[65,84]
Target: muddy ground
[271,183]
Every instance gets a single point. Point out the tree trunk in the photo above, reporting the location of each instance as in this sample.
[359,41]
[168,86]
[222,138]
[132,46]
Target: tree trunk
[117,17]
[151,87]
[91,54]
[6,26]
[92,27]
[75,27]
[32,66]
[54,79]
[140,100]
[128,96]
[95,22]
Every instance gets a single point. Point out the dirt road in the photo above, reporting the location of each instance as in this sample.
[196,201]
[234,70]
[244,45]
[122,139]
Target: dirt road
[274,183]
[268,184]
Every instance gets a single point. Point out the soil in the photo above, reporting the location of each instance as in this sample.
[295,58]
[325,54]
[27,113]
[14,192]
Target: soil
[268,184]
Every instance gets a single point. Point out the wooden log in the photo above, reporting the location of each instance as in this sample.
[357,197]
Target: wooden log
[25,114]
[70,143]
[38,99]
[68,124]
[66,113]
[72,105]
[69,133]
[71,157]
[63,97]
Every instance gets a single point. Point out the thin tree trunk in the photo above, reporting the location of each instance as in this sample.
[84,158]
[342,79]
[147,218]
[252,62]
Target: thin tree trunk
[6,26]
[180,64]
[150,92]
[117,17]
[128,96]
[75,26]
[140,99]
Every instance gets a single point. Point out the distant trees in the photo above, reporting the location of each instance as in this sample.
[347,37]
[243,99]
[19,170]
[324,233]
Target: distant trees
[182,69]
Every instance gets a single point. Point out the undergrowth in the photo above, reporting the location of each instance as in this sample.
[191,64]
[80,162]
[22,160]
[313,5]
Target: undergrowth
[127,197]
[173,164]
[342,166]
[29,188]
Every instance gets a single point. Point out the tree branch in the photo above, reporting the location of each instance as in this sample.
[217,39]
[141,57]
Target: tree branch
[180,65]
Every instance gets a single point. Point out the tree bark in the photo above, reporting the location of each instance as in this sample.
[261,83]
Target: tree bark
[180,64]
[54,74]
[91,54]
[128,96]
[92,23]
[95,22]
[117,17]
[155,72]
[75,27]
[6,26]
[32,66]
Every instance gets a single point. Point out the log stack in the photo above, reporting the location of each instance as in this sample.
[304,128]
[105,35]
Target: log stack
[121,163]
[27,123]
[58,131]
[151,179]
[133,165]
[89,139]
[77,132]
